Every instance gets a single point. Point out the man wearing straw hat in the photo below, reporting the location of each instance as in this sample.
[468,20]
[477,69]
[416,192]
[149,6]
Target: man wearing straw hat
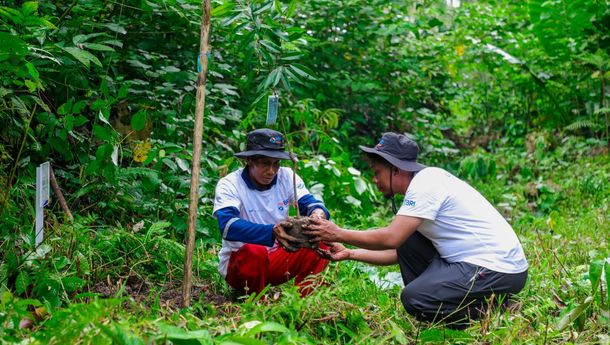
[250,204]
[454,249]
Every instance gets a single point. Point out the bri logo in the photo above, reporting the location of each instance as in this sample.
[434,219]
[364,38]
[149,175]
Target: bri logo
[409,203]
[380,145]
[276,140]
[282,204]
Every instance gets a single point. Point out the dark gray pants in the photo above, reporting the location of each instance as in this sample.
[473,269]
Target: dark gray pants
[437,290]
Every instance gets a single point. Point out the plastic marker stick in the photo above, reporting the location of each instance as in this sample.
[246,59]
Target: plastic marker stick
[273,103]
[42,199]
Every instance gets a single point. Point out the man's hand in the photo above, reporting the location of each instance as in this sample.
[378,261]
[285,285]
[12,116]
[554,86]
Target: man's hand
[283,238]
[322,230]
[335,252]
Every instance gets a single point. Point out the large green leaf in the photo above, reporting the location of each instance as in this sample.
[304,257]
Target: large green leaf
[22,282]
[29,7]
[138,120]
[83,56]
[97,46]
[102,132]
[116,28]
[266,327]
[12,46]
[79,39]
[303,71]
[574,313]
[222,10]
[181,336]
[595,274]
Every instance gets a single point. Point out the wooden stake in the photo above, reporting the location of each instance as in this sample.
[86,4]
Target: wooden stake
[60,195]
[197,138]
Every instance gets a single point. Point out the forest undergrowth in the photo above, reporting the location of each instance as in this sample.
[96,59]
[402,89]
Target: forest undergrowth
[122,285]
[511,96]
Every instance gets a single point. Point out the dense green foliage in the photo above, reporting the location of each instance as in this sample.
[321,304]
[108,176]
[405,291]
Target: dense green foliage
[508,95]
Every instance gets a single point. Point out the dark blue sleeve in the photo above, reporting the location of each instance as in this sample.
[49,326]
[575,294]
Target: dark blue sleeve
[307,203]
[233,228]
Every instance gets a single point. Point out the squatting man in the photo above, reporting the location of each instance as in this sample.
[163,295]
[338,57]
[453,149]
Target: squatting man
[453,247]
[251,205]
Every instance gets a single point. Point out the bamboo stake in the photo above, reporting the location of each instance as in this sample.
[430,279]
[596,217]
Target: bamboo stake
[197,138]
[60,196]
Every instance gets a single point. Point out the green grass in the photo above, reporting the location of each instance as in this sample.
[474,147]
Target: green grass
[560,213]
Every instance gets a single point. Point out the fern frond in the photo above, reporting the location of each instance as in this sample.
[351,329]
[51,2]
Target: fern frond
[602,111]
[580,124]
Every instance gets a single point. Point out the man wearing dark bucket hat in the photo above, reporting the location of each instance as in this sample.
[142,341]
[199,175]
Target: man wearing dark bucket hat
[454,249]
[250,204]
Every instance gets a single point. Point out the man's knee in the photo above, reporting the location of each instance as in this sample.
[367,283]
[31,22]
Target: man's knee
[251,261]
[312,263]
[248,267]
[418,302]
[412,300]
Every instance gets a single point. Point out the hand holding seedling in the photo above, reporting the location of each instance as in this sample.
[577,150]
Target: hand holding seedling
[322,230]
[294,227]
[283,238]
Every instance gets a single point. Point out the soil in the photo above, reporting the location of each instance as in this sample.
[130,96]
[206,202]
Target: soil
[168,295]
[296,230]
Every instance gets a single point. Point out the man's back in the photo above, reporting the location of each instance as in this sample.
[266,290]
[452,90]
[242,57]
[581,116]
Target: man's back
[461,223]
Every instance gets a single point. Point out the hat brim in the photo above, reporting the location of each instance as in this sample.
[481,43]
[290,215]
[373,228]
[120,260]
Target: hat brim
[266,153]
[400,164]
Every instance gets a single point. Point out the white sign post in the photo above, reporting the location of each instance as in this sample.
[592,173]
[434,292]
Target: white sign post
[42,198]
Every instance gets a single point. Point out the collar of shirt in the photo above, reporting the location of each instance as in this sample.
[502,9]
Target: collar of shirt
[245,174]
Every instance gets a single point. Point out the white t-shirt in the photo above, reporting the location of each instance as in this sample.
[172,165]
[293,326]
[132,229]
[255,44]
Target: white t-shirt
[261,207]
[461,223]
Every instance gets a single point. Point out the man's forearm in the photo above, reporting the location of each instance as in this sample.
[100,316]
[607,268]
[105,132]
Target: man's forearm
[375,257]
[390,237]
[374,239]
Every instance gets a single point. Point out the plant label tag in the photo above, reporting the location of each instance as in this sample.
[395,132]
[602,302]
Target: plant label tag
[42,199]
[273,103]
[43,184]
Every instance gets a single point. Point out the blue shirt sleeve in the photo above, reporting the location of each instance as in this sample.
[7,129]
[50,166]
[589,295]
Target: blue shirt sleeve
[307,203]
[233,228]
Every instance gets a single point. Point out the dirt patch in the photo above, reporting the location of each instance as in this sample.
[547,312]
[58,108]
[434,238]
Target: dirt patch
[134,286]
[169,295]
[599,150]
[172,296]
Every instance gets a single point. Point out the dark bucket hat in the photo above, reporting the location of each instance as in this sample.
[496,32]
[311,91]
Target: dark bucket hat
[397,149]
[265,142]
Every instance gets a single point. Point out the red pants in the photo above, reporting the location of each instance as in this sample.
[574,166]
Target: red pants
[252,267]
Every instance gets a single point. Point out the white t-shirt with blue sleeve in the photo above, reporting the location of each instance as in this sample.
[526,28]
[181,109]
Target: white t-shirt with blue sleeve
[257,206]
[462,225]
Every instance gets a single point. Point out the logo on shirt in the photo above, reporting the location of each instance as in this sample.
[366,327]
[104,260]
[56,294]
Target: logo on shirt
[282,204]
[410,203]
